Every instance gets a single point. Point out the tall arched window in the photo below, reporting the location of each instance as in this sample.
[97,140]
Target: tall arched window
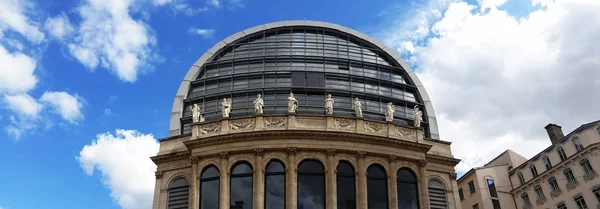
[275,185]
[209,188]
[311,185]
[437,194]
[346,188]
[241,186]
[377,196]
[407,189]
[179,193]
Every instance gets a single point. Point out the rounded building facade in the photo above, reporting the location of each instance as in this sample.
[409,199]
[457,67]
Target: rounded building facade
[303,114]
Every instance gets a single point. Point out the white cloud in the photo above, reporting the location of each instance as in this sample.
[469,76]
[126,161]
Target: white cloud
[108,112]
[16,73]
[496,80]
[206,33]
[59,26]
[20,126]
[109,37]
[13,16]
[181,6]
[490,3]
[124,162]
[66,105]
[215,3]
[23,104]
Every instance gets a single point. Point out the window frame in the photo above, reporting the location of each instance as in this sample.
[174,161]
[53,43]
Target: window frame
[547,162]
[526,200]
[586,167]
[492,187]
[267,174]
[472,187]
[562,154]
[580,202]
[521,178]
[577,143]
[461,195]
[533,170]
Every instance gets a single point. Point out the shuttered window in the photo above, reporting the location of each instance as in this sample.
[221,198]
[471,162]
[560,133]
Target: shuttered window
[179,191]
[437,194]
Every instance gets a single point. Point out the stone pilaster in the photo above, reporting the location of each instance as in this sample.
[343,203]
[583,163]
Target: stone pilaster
[224,180]
[259,185]
[331,187]
[424,194]
[392,181]
[157,183]
[291,177]
[195,183]
[361,177]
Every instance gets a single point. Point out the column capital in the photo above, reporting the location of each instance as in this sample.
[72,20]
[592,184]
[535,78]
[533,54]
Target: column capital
[453,176]
[158,174]
[392,158]
[330,151]
[194,159]
[259,151]
[224,155]
[422,163]
[291,150]
[361,154]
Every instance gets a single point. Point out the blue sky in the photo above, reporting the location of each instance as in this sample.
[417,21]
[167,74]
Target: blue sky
[74,72]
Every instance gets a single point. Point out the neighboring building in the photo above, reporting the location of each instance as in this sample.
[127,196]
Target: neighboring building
[488,186]
[563,176]
[304,159]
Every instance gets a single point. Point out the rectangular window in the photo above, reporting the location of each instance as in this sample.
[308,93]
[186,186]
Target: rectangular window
[561,153]
[577,143]
[587,167]
[547,163]
[539,193]
[580,202]
[561,206]
[471,187]
[570,176]
[521,178]
[496,204]
[476,206]
[597,193]
[554,184]
[526,201]
[492,188]
[533,171]
[460,194]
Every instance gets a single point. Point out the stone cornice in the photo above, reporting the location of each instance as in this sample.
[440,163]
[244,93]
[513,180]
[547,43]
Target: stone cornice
[442,160]
[170,157]
[438,141]
[174,137]
[306,134]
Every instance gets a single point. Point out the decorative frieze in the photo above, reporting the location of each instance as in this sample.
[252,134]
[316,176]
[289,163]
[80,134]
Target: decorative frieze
[275,122]
[242,124]
[405,133]
[209,128]
[344,124]
[311,122]
[377,128]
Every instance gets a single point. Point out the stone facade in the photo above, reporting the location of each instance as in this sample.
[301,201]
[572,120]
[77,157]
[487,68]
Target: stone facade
[294,138]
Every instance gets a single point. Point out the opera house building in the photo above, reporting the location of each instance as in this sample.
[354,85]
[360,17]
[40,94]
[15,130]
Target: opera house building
[303,115]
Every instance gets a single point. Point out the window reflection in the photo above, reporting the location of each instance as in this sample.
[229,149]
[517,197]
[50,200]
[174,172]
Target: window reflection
[346,191]
[275,185]
[311,185]
[241,186]
[209,188]
[377,187]
[407,189]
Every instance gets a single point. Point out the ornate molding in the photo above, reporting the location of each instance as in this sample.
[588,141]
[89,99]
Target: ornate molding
[311,122]
[392,158]
[361,154]
[442,160]
[422,163]
[275,122]
[373,127]
[158,174]
[405,132]
[194,159]
[259,151]
[291,150]
[171,157]
[344,124]
[330,151]
[453,176]
[224,155]
[242,124]
[207,128]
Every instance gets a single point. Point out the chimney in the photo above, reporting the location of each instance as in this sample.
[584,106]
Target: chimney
[554,132]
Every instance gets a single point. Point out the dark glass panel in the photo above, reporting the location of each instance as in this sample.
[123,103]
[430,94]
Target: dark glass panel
[311,185]
[275,185]
[209,188]
[241,186]
[210,173]
[242,168]
[377,197]
[407,190]
[310,167]
[346,187]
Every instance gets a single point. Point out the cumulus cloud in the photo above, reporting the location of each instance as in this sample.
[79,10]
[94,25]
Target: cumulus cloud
[111,38]
[13,15]
[66,105]
[16,73]
[23,104]
[215,3]
[206,33]
[181,6]
[496,80]
[59,26]
[123,160]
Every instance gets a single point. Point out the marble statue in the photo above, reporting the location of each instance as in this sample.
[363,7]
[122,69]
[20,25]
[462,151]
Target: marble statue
[357,108]
[389,114]
[418,116]
[196,114]
[292,103]
[226,107]
[258,104]
[328,105]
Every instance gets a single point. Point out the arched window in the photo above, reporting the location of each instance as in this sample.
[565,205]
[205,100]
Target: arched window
[377,196]
[407,189]
[179,193]
[311,185]
[437,194]
[346,188]
[577,143]
[241,186]
[209,188]
[275,185]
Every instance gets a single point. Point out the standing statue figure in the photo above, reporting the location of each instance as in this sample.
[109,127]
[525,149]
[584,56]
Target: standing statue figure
[196,114]
[292,103]
[258,104]
[226,107]
[418,116]
[357,108]
[389,114]
[329,105]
